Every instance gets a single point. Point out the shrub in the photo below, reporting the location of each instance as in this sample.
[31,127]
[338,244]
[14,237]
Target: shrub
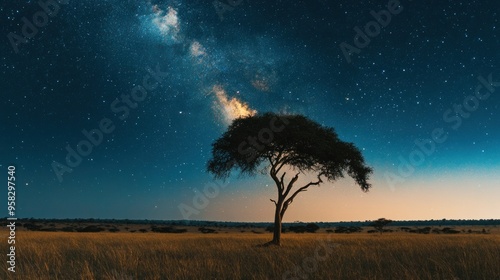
[206,230]
[167,229]
[91,228]
[351,229]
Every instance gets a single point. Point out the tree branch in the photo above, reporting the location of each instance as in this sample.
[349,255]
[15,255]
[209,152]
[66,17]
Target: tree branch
[302,189]
[270,158]
[278,157]
[275,203]
[283,163]
[273,173]
[282,180]
[290,184]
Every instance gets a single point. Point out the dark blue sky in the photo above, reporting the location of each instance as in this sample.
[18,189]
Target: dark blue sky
[416,78]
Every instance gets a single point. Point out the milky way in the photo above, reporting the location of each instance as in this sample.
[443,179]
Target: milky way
[225,108]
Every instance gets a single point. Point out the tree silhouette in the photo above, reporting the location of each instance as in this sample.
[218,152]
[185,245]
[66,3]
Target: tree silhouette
[380,224]
[277,144]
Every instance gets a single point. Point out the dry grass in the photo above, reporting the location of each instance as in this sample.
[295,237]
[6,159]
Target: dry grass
[66,256]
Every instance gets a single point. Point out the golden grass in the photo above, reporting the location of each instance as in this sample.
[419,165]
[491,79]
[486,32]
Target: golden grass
[67,256]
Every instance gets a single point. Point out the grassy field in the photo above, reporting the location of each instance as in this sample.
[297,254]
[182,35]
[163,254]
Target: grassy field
[66,256]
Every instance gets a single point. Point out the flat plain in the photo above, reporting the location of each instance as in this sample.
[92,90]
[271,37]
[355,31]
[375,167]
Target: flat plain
[237,255]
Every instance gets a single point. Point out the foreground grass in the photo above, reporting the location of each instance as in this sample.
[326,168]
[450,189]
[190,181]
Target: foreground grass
[65,256]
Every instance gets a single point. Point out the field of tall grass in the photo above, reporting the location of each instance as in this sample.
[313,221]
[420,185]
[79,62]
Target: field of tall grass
[66,256]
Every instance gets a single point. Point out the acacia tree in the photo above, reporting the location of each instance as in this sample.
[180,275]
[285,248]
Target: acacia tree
[277,144]
[380,224]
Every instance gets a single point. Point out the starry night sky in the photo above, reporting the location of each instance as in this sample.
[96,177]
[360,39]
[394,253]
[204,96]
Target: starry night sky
[418,76]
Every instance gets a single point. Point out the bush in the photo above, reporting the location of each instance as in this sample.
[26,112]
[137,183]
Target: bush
[425,230]
[352,229]
[90,229]
[450,230]
[53,229]
[68,229]
[167,229]
[297,229]
[312,227]
[206,230]
[32,227]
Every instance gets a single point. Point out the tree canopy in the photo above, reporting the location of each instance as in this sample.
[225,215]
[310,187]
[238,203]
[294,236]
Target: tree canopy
[295,141]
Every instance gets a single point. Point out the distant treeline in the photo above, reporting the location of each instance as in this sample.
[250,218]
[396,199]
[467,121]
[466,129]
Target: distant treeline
[443,222]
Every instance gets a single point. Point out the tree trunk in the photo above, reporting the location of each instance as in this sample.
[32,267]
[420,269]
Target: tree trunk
[277,224]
